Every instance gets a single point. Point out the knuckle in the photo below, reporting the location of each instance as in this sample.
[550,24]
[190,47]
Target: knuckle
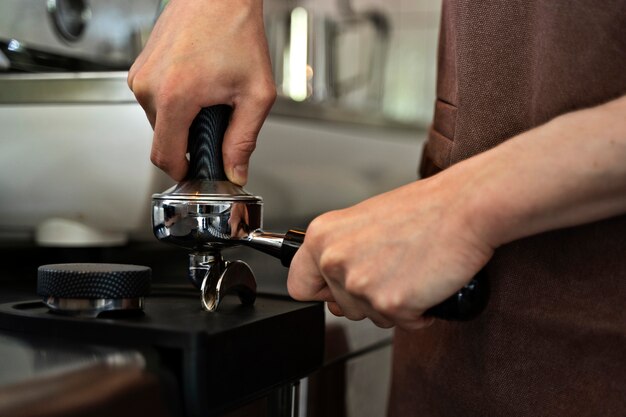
[169,92]
[357,285]
[388,304]
[383,323]
[139,87]
[416,324]
[335,309]
[166,99]
[246,144]
[322,223]
[294,290]
[265,94]
[315,230]
[332,263]
[159,160]
[355,315]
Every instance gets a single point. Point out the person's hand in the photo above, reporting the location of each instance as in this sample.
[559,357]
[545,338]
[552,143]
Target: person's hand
[202,53]
[391,257]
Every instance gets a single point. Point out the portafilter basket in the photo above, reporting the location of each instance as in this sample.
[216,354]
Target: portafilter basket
[206,213]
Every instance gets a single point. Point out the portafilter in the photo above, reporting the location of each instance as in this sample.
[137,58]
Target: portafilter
[206,213]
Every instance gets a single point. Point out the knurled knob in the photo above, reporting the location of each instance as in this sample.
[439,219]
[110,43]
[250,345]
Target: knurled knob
[93,281]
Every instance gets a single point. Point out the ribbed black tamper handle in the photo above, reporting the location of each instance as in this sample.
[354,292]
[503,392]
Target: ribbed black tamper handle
[206,135]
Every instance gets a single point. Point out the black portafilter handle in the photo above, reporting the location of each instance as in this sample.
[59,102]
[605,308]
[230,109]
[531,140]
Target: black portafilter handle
[204,145]
[466,304]
[291,243]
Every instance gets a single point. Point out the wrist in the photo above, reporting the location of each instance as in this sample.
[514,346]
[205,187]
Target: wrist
[476,200]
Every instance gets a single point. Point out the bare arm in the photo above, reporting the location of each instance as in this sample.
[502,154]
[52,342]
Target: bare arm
[203,53]
[569,171]
[367,262]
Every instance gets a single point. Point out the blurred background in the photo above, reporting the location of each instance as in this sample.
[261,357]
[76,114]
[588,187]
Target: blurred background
[356,90]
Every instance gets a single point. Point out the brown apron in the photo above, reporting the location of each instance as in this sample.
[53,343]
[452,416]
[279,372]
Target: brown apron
[552,341]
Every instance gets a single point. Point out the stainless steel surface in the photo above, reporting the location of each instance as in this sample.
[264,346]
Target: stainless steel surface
[216,278]
[354,63]
[84,307]
[65,88]
[204,190]
[284,401]
[322,55]
[112,88]
[4,62]
[70,18]
[222,278]
[201,216]
[109,32]
[205,266]
[203,221]
[267,242]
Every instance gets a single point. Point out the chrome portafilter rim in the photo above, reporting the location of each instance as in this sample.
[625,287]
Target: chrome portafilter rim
[206,190]
[200,221]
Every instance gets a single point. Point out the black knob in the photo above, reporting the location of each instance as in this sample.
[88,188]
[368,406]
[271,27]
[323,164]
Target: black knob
[93,281]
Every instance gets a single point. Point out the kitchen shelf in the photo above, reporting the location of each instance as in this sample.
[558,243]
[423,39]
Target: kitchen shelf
[112,88]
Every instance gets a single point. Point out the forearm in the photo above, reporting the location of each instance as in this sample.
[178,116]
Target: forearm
[569,171]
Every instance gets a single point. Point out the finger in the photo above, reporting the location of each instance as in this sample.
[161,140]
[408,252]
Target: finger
[139,62]
[240,137]
[169,146]
[304,282]
[351,307]
[382,323]
[148,109]
[416,323]
[140,86]
[378,319]
[335,309]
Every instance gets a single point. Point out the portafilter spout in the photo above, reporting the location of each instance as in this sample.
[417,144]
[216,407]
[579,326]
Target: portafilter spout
[206,212]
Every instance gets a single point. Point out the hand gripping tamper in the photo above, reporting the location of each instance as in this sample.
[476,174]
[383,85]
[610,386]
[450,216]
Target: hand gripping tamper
[206,213]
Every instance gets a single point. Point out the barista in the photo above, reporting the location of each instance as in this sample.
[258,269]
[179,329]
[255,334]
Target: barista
[525,168]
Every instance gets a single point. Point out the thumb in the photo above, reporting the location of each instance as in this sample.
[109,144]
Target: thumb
[240,139]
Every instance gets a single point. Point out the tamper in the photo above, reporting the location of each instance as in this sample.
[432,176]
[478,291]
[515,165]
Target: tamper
[206,213]
[90,289]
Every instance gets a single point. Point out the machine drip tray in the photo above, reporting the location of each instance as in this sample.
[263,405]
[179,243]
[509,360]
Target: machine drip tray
[220,359]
